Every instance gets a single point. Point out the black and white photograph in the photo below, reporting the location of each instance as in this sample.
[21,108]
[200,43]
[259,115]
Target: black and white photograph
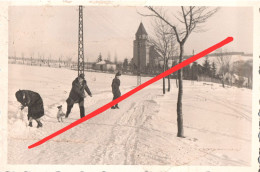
[64,62]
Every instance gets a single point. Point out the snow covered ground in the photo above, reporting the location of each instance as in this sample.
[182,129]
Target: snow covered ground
[217,123]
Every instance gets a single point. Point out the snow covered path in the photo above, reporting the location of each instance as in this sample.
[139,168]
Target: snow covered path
[109,137]
[142,132]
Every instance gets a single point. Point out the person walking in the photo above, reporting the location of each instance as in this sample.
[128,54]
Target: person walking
[115,89]
[77,95]
[34,102]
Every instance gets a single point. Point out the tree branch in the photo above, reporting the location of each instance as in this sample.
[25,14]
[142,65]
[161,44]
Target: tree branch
[162,18]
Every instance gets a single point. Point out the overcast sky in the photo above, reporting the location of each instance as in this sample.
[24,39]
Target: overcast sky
[53,31]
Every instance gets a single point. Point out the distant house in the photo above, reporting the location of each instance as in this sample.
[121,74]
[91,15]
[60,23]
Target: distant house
[235,79]
[105,65]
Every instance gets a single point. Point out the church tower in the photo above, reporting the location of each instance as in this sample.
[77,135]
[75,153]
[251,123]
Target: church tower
[141,48]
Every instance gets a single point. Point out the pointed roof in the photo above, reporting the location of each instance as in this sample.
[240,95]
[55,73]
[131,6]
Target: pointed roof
[141,30]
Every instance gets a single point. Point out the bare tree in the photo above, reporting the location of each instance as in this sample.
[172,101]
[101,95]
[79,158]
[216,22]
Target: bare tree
[163,43]
[69,60]
[188,19]
[108,56]
[32,54]
[115,59]
[23,57]
[223,61]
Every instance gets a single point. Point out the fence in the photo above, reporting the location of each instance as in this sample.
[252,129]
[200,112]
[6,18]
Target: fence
[231,82]
[41,62]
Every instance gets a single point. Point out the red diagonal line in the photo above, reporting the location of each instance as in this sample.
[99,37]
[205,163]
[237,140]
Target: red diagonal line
[128,94]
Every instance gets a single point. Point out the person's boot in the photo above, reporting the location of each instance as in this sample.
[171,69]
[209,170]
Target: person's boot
[113,107]
[82,111]
[39,124]
[116,106]
[67,115]
[30,124]
[68,111]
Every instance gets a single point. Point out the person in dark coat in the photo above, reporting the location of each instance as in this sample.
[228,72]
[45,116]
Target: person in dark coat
[77,95]
[34,103]
[115,89]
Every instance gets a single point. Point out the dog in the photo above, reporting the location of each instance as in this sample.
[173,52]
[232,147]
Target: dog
[60,114]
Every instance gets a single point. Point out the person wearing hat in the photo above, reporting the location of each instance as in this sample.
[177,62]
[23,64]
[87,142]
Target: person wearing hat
[115,89]
[77,95]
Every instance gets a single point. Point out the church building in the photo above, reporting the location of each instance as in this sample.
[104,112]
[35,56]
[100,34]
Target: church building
[144,54]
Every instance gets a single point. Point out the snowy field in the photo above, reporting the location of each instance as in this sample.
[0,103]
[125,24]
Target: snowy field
[217,123]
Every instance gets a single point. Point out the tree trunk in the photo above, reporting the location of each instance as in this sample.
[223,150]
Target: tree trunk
[164,65]
[180,93]
[169,83]
[223,79]
[248,82]
[163,85]
[231,80]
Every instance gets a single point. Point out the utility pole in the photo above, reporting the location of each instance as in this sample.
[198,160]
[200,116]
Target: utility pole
[80,43]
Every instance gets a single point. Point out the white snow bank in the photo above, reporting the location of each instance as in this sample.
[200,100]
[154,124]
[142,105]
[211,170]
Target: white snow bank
[217,123]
